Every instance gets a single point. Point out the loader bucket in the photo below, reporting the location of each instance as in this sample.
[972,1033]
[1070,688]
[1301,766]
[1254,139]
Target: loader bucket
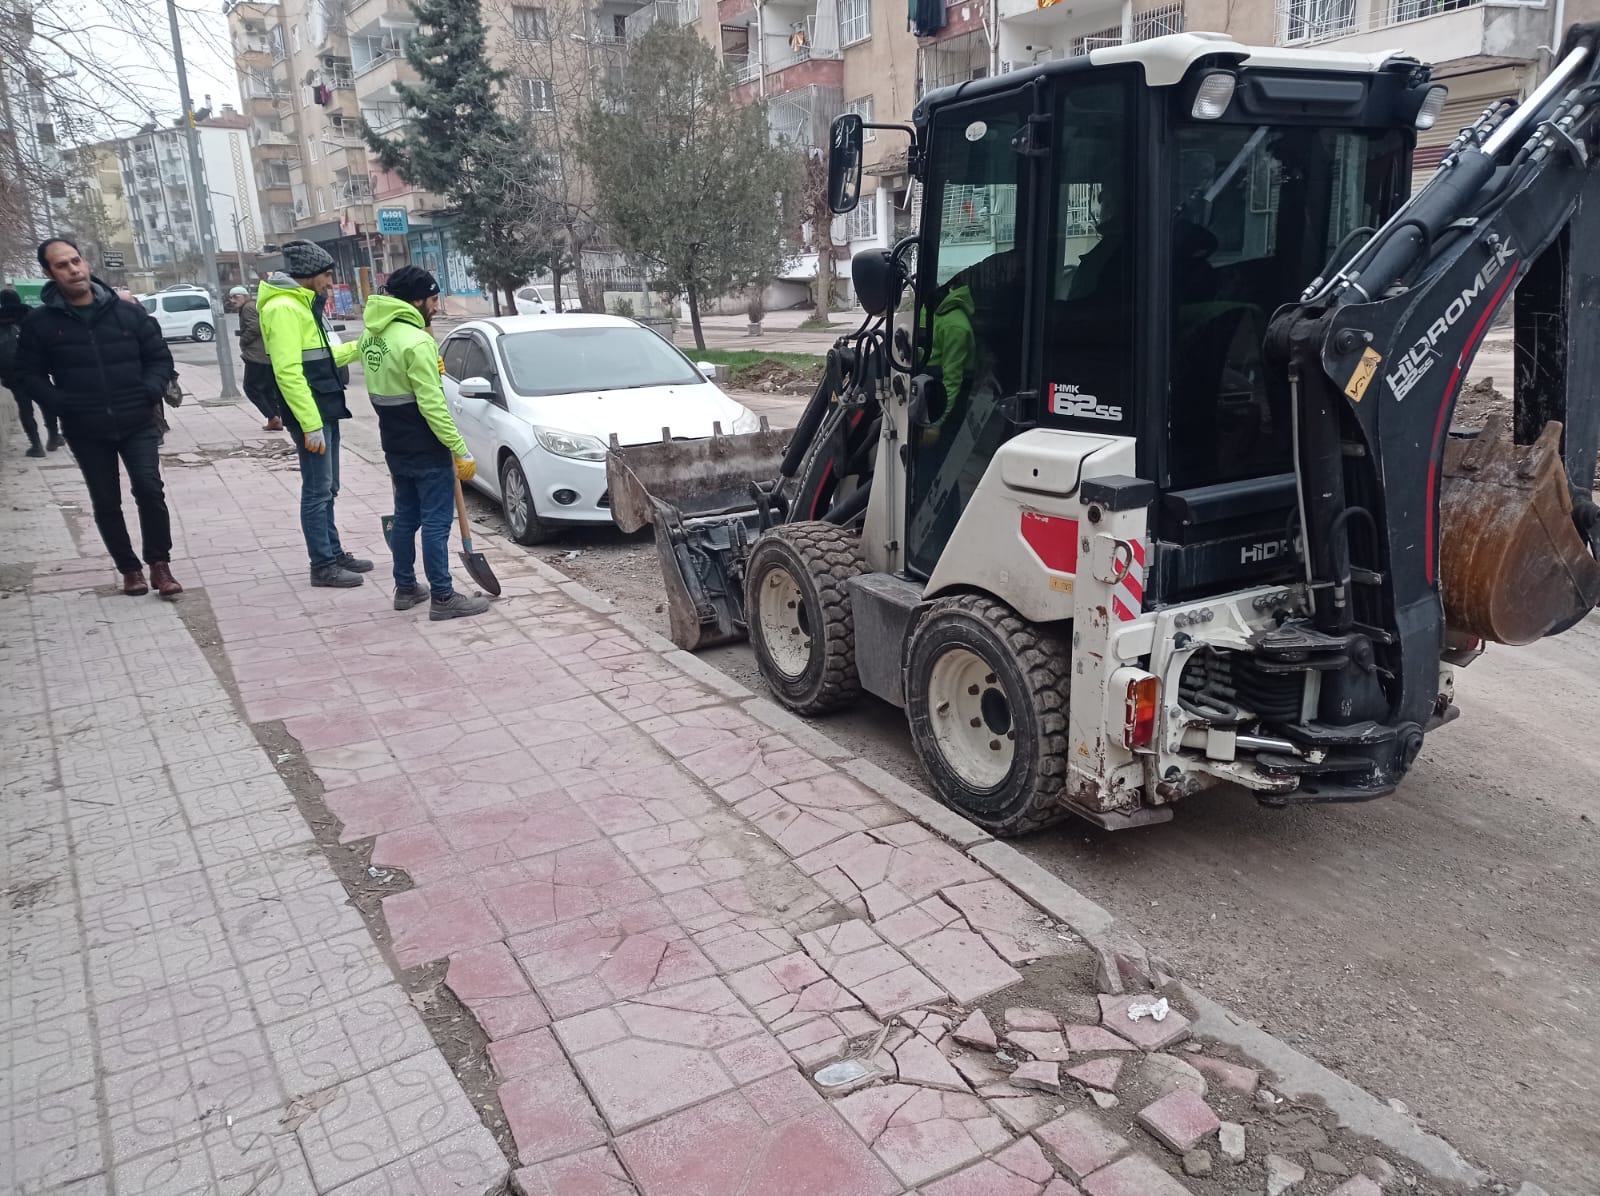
[705,476]
[1513,565]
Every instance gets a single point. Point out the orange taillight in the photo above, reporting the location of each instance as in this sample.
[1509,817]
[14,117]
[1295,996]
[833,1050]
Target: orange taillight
[1139,719]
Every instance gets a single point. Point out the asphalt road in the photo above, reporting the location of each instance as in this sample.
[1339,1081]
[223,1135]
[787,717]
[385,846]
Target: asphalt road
[1440,946]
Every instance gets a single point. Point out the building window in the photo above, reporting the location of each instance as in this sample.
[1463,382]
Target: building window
[619,26]
[855,21]
[535,95]
[862,223]
[322,201]
[46,134]
[529,24]
[294,39]
[1314,20]
[1158,22]
[863,109]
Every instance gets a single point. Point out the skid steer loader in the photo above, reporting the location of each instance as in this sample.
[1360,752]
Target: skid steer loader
[1139,476]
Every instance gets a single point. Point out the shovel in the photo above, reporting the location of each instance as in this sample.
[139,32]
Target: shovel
[475,563]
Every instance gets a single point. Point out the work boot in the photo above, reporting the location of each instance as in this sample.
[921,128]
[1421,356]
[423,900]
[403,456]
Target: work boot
[34,447]
[405,599]
[457,606]
[336,577]
[161,578]
[133,584]
[273,425]
[54,442]
[354,563]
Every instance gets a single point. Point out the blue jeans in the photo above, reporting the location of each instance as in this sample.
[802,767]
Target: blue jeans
[424,497]
[319,486]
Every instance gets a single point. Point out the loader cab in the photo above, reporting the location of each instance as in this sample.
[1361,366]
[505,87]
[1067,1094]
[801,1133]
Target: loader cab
[1103,242]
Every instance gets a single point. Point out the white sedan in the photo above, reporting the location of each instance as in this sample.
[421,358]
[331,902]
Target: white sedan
[537,399]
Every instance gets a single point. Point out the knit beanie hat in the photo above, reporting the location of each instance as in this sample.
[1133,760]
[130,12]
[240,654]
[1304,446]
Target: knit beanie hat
[302,259]
[9,298]
[411,283]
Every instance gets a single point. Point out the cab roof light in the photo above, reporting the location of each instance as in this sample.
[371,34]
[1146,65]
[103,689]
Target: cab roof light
[1215,93]
[1432,106]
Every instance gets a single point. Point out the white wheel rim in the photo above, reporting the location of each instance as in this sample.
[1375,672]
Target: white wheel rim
[971,719]
[785,629]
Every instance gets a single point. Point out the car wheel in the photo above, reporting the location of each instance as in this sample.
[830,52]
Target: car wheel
[203,332]
[516,500]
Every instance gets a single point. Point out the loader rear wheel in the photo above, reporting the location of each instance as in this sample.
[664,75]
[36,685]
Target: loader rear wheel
[986,696]
[799,614]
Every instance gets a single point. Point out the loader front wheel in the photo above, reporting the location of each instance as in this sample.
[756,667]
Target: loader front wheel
[986,696]
[799,615]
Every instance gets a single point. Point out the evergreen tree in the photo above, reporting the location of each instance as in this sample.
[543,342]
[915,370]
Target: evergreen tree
[458,143]
[689,182]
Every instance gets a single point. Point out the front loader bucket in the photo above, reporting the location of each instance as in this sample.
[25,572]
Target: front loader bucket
[1513,565]
[699,495]
[705,476]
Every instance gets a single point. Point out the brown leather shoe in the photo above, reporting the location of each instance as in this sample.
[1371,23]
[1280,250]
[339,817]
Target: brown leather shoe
[273,425]
[161,577]
[133,584]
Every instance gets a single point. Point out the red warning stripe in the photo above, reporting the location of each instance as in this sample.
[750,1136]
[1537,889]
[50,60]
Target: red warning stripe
[1054,540]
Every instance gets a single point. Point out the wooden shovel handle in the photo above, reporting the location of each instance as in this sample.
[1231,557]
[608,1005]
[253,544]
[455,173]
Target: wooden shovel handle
[461,516]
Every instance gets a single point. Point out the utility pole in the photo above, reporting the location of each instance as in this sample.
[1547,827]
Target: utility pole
[202,204]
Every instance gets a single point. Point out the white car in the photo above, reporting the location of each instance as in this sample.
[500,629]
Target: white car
[183,315]
[539,299]
[537,399]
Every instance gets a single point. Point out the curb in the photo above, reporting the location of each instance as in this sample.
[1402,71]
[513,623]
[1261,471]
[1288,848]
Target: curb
[1296,1073]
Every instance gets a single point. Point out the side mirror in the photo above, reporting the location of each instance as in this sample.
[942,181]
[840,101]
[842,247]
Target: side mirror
[476,388]
[876,280]
[844,163]
[708,369]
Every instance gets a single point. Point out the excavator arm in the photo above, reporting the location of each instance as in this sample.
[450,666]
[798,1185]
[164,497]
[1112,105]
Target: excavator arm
[1414,540]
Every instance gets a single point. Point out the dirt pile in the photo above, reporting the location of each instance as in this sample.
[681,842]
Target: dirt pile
[771,376]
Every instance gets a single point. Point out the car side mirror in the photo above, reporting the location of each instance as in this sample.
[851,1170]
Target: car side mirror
[708,369]
[844,163]
[476,388]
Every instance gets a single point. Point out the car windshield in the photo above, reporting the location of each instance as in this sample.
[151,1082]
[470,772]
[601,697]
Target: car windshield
[558,361]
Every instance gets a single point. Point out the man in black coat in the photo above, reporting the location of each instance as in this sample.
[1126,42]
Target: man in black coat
[100,365]
[12,312]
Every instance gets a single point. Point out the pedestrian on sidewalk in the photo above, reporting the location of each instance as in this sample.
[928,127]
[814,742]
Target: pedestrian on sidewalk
[421,443]
[306,364]
[100,366]
[12,311]
[260,387]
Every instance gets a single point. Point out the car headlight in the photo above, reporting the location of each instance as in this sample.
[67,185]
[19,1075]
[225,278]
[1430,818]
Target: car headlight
[746,423]
[570,444]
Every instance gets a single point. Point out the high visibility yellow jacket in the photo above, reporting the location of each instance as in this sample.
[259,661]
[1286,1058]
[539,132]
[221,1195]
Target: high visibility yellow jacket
[305,361]
[401,361]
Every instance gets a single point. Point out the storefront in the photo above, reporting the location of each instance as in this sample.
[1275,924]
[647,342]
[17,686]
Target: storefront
[435,250]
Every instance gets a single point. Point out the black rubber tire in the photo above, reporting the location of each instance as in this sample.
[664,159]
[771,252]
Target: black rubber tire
[1033,667]
[203,333]
[820,558]
[536,531]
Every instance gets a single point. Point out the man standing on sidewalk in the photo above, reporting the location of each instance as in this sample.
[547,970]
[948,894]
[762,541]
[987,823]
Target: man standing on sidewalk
[101,366]
[306,365]
[260,387]
[421,443]
[12,311]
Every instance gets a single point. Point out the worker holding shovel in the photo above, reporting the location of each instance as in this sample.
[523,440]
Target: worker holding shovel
[424,449]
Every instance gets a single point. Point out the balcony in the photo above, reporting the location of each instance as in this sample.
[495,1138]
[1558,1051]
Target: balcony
[801,73]
[1438,31]
[1084,15]
[270,137]
[352,191]
[745,67]
[802,117]
[383,118]
[671,13]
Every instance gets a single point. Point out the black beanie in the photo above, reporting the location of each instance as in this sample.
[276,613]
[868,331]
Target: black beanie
[411,283]
[303,259]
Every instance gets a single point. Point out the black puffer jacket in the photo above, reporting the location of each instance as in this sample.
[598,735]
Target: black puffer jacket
[104,375]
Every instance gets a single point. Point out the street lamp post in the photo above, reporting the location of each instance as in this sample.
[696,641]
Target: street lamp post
[238,243]
[202,204]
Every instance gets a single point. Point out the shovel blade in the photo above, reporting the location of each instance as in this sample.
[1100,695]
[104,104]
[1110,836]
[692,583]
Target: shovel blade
[477,567]
[1512,563]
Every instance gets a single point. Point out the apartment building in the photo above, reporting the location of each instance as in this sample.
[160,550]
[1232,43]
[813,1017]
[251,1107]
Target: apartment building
[96,180]
[33,182]
[162,198]
[1482,50]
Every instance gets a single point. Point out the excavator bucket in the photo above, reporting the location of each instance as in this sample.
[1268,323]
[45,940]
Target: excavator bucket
[701,497]
[705,476]
[1513,565]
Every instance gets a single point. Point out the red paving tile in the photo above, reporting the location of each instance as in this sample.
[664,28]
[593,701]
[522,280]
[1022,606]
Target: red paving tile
[726,1148]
